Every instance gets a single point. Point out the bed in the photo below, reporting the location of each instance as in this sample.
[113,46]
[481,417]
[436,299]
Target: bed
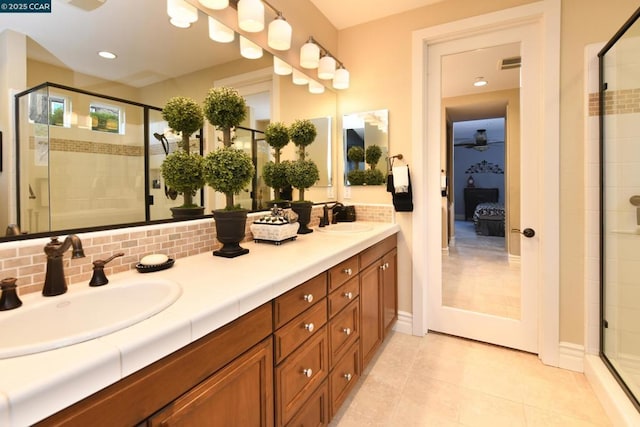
[488,219]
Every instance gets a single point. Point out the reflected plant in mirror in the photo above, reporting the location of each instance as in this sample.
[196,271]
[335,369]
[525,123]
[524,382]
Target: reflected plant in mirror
[183,170]
[366,142]
[275,172]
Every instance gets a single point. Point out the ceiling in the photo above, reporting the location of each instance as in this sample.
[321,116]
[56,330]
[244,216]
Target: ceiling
[150,49]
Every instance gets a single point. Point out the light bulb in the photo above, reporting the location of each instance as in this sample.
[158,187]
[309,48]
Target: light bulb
[326,68]
[299,78]
[251,15]
[219,32]
[309,55]
[341,79]
[215,4]
[279,37]
[249,49]
[280,67]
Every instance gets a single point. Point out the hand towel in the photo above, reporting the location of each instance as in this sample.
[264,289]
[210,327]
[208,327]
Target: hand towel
[400,179]
[402,202]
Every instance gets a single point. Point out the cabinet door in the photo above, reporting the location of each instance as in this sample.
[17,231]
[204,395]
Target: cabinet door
[370,309]
[241,394]
[389,290]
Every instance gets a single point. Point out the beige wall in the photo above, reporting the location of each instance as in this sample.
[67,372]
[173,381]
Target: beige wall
[378,55]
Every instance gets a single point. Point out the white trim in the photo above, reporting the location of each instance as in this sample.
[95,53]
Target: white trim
[571,357]
[615,402]
[404,322]
[549,13]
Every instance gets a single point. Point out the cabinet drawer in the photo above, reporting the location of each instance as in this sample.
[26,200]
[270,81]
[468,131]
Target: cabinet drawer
[294,302]
[343,296]
[294,333]
[344,377]
[344,330]
[376,251]
[343,272]
[299,376]
[315,411]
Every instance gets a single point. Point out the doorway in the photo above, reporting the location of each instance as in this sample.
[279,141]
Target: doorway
[542,125]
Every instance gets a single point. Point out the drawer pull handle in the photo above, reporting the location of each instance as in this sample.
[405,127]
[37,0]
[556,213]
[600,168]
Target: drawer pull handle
[347,331]
[309,327]
[307,372]
[382,267]
[348,295]
[348,377]
[348,271]
[308,297]
[386,265]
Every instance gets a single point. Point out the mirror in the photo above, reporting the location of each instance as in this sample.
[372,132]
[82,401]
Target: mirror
[170,69]
[364,134]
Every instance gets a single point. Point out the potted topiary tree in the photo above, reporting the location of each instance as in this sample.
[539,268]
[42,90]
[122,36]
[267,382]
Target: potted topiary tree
[274,172]
[182,170]
[302,173]
[227,169]
[373,176]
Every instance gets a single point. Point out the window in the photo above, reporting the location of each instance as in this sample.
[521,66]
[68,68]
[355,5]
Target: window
[105,118]
[56,111]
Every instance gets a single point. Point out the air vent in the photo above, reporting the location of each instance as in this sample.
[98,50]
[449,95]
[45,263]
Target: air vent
[510,63]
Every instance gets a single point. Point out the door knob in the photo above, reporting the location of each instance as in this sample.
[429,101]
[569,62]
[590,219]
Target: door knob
[527,232]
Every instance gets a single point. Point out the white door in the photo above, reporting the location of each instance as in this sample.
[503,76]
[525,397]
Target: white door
[521,333]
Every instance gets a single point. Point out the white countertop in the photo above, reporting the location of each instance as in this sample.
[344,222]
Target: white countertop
[215,291]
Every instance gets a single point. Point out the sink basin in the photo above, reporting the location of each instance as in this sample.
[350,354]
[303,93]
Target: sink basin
[83,313]
[346,227]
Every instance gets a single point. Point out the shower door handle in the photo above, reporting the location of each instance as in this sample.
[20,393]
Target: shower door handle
[527,232]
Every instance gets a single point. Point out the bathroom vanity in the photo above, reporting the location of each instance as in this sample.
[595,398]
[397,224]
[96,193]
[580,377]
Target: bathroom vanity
[278,337]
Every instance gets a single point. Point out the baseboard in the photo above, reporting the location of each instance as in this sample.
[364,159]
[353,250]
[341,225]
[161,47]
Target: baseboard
[404,323]
[515,259]
[571,357]
[615,402]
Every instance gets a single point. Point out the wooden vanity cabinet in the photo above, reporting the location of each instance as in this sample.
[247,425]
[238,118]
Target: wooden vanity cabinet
[301,353]
[378,295]
[132,400]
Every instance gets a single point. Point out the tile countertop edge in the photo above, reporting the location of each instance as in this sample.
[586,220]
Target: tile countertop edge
[203,316]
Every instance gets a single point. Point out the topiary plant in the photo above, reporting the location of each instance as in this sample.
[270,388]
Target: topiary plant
[227,168]
[372,155]
[183,173]
[275,173]
[356,154]
[356,177]
[302,173]
[373,177]
[181,170]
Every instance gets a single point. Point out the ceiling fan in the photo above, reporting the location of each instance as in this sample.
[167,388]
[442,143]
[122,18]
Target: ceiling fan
[479,141]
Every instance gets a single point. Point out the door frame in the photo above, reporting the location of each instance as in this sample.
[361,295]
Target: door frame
[427,203]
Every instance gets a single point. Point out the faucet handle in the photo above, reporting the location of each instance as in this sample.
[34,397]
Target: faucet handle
[9,297]
[99,278]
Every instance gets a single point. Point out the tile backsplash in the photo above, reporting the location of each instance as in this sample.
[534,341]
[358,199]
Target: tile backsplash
[26,260]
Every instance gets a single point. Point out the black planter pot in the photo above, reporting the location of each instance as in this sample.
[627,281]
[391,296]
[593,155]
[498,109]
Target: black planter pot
[230,227]
[181,212]
[303,209]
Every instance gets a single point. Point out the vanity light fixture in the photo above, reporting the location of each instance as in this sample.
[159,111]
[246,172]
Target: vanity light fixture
[315,87]
[215,4]
[310,54]
[280,67]
[341,78]
[480,81]
[219,32]
[107,55]
[249,49]
[326,67]
[279,37]
[299,78]
[251,15]
[182,14]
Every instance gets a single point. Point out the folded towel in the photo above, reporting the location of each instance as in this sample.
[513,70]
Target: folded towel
[402,202]
[400,179]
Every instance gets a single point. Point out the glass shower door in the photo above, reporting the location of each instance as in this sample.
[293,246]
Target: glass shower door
[620,206]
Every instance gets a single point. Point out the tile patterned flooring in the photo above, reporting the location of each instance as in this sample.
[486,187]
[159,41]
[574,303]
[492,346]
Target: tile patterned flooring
[445,381]
[478,276]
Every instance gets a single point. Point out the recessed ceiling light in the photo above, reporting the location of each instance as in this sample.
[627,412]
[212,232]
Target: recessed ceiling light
[480,81]
[107,54]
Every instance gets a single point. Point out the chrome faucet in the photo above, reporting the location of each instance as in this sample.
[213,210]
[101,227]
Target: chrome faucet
[54,281]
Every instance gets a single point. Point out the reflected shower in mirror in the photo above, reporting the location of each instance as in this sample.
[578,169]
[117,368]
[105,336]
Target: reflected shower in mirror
[320,150]
[366,147]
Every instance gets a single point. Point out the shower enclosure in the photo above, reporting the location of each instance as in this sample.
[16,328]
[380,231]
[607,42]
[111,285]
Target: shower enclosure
[619,100]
